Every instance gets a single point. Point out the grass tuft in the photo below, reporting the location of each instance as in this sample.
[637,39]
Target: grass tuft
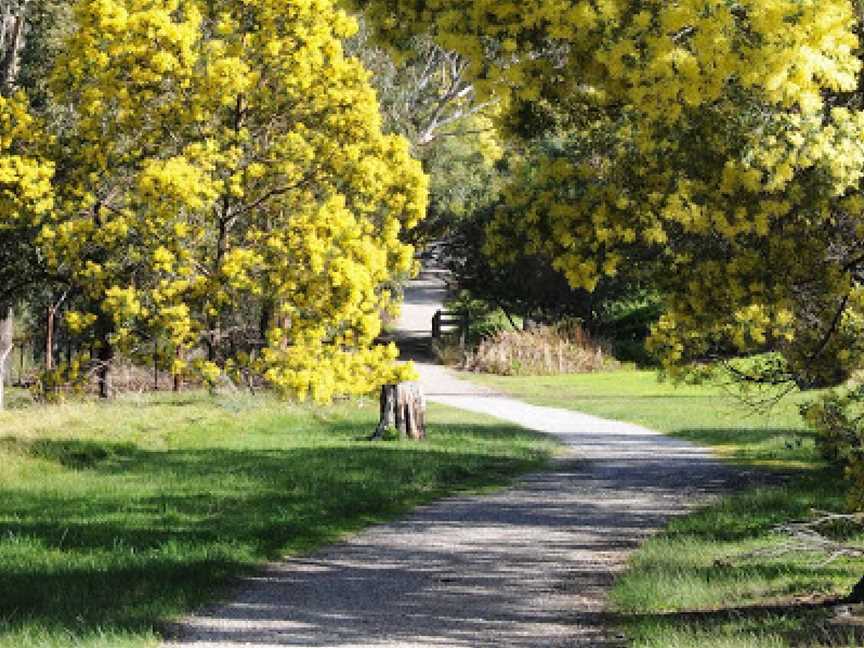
[543,351]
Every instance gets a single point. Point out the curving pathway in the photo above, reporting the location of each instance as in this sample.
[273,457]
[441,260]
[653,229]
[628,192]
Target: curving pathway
[530,566]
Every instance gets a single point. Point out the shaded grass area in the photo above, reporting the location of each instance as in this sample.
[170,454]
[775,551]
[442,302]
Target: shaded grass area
[115,518]
[697,584]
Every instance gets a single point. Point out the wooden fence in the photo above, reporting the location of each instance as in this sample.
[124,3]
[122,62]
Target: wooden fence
[444,321]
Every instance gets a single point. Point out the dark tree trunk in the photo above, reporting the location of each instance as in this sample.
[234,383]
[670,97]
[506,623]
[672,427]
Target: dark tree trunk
[178,377]
[106,356]
[212,341]
[49,339]
[857,593]
[267,309]
[403,407]
[155,365]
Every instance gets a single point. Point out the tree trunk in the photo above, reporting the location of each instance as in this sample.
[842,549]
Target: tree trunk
[155,365]
[11,44]
[106,355]
[49,339]
[267,312]
[857,593]
[178,377]
[403,407]
[6,345]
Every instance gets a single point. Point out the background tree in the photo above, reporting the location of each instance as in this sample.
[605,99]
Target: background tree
[25,198]
[727,138]
[427,97]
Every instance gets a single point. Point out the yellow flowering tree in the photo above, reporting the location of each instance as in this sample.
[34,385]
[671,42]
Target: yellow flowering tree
[722,140]
[221,161]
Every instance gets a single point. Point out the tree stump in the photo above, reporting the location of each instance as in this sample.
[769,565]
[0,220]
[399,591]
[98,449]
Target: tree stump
[403,407]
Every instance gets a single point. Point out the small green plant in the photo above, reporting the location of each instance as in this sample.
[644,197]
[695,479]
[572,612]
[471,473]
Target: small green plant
[67,378]
[391,434]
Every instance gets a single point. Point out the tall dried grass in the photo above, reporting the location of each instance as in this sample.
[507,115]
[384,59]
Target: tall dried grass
[544,351]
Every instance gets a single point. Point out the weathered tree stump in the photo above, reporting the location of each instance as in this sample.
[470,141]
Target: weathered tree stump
[403,407]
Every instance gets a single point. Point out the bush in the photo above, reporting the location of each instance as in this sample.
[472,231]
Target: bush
[838,418]
[626,324]
[544,351]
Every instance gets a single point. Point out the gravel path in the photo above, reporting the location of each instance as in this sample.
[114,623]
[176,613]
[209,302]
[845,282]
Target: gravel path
[527,567]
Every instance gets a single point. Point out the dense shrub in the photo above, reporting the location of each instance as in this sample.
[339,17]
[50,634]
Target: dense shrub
[838,418]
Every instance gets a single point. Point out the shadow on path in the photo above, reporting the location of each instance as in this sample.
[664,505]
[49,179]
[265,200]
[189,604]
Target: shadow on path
[527,567]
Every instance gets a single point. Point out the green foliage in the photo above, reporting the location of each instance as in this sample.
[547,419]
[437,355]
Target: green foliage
[838,418]
[66,379]
[627,324]
[426,97]
[526,282]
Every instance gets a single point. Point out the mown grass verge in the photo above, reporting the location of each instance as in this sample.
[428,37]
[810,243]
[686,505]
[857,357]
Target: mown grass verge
[115,518]
[693,586]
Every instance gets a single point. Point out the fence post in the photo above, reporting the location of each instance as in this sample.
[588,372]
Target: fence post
[436,325]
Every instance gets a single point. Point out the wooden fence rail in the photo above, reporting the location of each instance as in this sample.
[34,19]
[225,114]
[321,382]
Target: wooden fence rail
[444,321]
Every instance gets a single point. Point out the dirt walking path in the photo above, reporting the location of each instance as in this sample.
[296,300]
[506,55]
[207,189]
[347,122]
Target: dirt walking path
[530,566]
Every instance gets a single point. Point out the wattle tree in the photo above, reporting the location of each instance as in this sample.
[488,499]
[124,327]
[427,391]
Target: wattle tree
[26,198]
[722,139]
[223,157]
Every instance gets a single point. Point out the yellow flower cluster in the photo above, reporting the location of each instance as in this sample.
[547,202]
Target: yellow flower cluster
[25,174]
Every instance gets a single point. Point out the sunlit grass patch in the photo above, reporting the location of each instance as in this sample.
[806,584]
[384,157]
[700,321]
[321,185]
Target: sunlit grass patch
[117,517]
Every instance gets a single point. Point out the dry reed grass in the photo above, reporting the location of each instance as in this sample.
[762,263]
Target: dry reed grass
[543,351]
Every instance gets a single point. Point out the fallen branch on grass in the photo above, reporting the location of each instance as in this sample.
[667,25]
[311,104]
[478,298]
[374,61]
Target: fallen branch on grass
[808,537]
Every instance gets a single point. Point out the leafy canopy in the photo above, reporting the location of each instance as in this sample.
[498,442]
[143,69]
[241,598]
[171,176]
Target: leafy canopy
[724,140]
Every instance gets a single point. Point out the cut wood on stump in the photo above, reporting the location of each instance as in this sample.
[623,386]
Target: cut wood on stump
[403,407]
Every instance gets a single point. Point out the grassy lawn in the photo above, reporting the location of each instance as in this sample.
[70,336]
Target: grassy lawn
[689,587]
[116,517]
[703,414]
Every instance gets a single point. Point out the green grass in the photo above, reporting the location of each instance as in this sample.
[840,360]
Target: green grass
[117,517]
[17,399]
[710,415]
[691,586]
